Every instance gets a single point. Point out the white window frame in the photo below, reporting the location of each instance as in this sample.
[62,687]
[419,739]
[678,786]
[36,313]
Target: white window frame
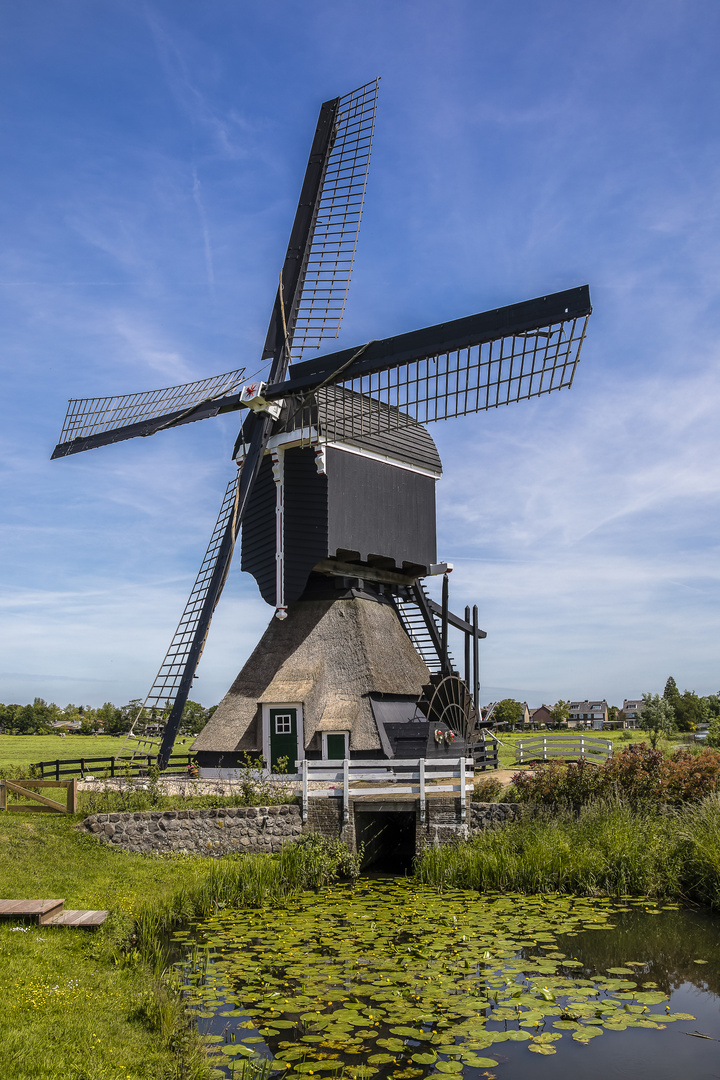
[283,706]
[345,734]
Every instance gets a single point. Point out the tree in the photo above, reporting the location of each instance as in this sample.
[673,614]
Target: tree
[560,712]
[508,711]
[194,718]
[713,735]
[712,704]
[112,719]
[690,710]
[657,717]
[671,691]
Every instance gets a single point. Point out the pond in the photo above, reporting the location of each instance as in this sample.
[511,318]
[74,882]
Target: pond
[392,980]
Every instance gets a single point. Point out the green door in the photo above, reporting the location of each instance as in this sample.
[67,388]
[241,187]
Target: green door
[283,739]
[335,747]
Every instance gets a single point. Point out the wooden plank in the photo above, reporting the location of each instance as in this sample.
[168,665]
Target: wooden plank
[85,919]
[18,789]
[27,907]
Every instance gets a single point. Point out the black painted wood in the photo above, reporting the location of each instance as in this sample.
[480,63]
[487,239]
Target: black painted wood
[378,509]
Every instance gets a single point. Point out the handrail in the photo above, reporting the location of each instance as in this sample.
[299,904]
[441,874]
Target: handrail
[408,776]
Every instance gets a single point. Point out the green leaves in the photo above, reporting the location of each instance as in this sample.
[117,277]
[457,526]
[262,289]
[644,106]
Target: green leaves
[391,978]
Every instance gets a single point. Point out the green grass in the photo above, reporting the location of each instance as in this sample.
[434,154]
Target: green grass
[605,849]
[91,1005]
[19,751]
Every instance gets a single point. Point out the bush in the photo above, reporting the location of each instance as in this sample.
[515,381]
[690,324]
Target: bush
[487,789]
[638,775]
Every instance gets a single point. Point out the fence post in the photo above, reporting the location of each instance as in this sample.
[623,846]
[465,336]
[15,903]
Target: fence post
[112,768]
[304,772]
[3,795]
[72,796]
[462,788]
[57,770]
[544,747]
[346,790]
[82,768]
[423,796]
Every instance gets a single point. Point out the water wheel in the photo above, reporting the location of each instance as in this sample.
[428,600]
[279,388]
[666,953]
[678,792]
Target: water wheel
[450,702]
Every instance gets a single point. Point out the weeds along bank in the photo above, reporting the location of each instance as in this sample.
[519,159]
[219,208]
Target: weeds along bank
[101,1004]
[603,848]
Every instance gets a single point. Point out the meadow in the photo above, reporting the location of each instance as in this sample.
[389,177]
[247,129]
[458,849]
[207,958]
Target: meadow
[92,1005]
[19,751]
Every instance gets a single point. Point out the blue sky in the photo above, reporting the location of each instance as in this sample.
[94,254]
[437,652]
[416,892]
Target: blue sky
[153,156]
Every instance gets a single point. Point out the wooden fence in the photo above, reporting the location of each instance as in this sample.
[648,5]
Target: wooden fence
[565,746]
[484,754]
[41,804]
[400,776]
[110,765]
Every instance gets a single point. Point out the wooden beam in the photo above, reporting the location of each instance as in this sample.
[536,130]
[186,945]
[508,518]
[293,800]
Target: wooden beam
[366,573]
[18,789]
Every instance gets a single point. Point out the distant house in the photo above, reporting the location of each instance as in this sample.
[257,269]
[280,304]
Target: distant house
[632,708]
[588,714]
[541,717]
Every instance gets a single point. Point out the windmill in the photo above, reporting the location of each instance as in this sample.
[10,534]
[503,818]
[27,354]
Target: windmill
[335,486]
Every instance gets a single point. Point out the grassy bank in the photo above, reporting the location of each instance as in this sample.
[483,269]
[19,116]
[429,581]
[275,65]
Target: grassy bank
[94,1005]
[605,849]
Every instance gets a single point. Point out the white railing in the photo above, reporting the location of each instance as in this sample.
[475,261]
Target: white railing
[399,776]
[563,746]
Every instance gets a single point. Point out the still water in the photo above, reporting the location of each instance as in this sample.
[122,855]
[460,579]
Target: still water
[391,980]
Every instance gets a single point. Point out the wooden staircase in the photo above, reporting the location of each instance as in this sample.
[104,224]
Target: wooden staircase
[50,913]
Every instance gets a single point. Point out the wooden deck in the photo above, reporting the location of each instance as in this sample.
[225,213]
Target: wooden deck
[50,913]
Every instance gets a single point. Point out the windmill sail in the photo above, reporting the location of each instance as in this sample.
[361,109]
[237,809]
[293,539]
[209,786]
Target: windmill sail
[325,277]
[466,366]
[193,625]
[91,422]
[316,271]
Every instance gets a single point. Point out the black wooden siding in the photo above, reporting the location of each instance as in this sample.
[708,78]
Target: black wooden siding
[379,509]
[258,533]
[362,505]
[306,520]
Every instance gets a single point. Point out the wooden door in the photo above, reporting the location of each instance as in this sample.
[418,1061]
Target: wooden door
[283,739]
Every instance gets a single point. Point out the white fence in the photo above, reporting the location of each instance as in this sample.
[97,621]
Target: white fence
[400,776]
[564,746]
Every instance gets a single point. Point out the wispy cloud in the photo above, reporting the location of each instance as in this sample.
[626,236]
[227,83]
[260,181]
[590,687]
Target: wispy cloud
[205,231]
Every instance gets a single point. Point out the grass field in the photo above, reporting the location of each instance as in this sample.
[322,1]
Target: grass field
[19,751]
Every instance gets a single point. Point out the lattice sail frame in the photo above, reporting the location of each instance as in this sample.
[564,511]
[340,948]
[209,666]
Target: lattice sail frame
[326,275]
[94,416]
[468,380]
[163,691]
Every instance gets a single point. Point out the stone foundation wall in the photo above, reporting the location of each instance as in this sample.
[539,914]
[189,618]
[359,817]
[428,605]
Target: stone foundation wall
[251,829]
[256,829]
[488,815]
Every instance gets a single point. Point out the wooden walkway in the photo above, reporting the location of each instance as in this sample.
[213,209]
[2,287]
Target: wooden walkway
[50,913]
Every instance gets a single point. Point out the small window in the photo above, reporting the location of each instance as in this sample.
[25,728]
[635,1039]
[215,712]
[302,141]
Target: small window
[283,724]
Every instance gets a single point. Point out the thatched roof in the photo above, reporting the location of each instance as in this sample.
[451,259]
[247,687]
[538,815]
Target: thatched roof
[328,656]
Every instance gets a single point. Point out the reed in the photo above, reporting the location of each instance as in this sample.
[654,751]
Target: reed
[606,848]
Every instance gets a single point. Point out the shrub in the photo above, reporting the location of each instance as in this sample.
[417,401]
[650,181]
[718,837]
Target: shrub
[638,775]
[486,789]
